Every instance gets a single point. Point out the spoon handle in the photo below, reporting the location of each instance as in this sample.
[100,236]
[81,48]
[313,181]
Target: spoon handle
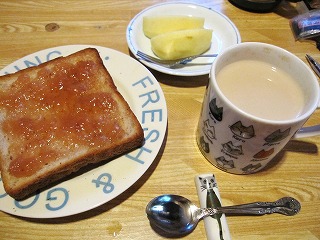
[247,211]
[287,206]
[288,202]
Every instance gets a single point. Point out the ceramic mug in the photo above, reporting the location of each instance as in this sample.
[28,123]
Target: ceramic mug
[239,141]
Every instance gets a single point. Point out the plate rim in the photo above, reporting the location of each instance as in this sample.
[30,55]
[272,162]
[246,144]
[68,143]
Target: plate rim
[162,127]
[177,4]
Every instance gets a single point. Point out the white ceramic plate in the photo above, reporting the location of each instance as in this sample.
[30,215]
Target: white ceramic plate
[99,185]
[225,34]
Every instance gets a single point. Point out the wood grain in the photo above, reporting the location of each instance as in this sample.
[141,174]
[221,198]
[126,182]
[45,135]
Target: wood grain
[24,30]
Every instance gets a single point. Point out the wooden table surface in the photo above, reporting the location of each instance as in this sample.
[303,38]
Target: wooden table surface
[30,26]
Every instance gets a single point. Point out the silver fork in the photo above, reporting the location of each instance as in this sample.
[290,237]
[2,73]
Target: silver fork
[171,63]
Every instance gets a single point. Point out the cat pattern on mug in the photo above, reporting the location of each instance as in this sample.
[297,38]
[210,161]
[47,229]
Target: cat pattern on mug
[212,201]
[263,154]
[251,168]
[208,130]
[224,163]
[215,112]
[277,136]
[204,145]
[242,131]
[232,149]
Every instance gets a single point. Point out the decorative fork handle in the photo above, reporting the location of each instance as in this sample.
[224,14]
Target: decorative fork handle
[188,59]
[171,63]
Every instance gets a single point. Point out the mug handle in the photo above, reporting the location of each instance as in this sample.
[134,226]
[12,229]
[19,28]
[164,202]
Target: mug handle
[309,131]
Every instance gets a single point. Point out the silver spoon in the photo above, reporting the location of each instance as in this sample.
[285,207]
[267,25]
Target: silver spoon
[177,215]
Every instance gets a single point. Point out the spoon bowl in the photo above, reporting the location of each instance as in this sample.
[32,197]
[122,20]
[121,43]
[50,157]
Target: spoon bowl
[179,216]
[173,214]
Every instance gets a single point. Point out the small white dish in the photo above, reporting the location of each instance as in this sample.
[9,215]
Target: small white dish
[225,34]
[92,188]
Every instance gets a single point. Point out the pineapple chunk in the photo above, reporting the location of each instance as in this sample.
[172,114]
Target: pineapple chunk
[179,44]
[155,25]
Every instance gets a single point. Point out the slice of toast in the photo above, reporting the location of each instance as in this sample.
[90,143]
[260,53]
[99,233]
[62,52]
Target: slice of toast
[58,117]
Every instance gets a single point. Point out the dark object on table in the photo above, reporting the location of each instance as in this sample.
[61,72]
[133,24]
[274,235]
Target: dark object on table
[256,5]
[307,26]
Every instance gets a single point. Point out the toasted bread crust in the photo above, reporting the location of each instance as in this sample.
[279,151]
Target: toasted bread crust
[19,184]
